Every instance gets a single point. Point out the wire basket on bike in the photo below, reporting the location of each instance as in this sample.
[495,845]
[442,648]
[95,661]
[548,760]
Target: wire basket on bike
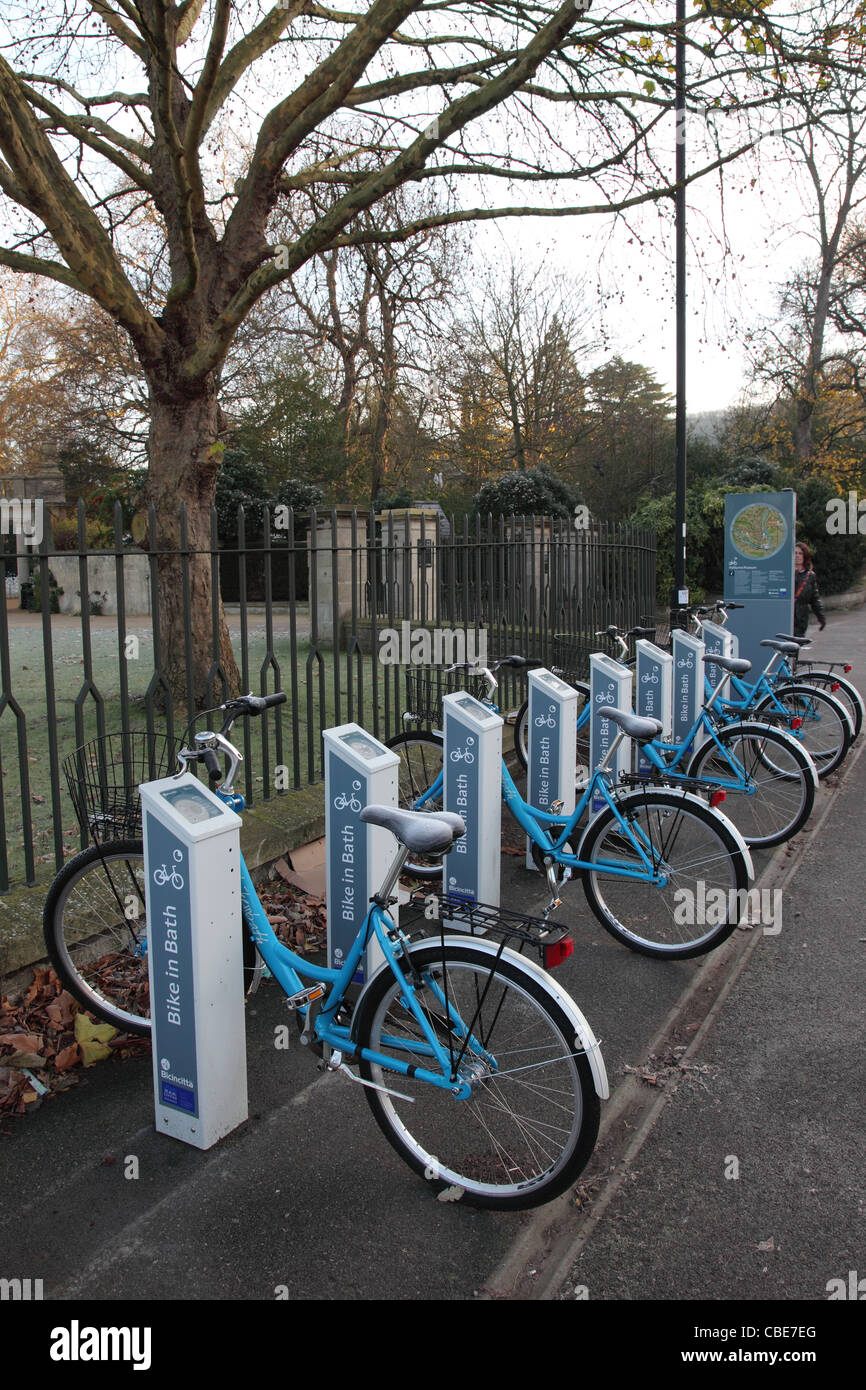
[425,686]
[103,778]
[570,655]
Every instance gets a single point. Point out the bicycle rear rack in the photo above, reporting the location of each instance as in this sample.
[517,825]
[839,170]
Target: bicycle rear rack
[482,919]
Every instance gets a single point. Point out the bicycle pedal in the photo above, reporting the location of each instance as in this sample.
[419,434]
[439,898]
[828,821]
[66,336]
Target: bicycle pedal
[305,996]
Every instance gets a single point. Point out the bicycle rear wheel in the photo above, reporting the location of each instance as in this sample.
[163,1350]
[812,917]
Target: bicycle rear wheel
[843,690]
[816,719]
[528,1128]
[420,788]
[701,869]
[780,791]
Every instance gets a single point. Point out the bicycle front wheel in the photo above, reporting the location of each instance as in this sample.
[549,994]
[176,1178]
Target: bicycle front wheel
[778,795]
[694,902]
[95,929]
[816,719]
[528,1128]
[420,788]
[95,926]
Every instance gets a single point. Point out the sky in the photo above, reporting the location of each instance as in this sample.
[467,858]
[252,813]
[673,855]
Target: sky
[765,227]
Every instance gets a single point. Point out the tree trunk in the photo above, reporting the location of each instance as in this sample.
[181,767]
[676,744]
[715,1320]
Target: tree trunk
[194,659]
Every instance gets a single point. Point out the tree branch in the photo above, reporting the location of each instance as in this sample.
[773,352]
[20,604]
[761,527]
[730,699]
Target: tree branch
[45,189]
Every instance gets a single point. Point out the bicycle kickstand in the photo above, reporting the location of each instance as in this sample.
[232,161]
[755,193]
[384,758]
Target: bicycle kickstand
[335,1063]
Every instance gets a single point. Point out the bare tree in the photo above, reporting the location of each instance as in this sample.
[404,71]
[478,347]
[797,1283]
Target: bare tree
[800,356]
[80,159]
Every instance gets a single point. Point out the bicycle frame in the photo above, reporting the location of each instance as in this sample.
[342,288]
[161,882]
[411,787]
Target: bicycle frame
[533,821]
[290,970]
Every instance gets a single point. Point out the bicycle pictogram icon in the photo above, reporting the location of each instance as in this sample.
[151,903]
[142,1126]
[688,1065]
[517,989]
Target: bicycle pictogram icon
[348,803]
[547,722]
[161,876]
[650,678]
[462,755]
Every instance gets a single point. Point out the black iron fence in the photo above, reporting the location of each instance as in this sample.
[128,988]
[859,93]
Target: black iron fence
[330,607]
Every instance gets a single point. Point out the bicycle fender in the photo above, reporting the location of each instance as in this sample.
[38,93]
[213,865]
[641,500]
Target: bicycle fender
[688,797]
[584,1034]
[756,727]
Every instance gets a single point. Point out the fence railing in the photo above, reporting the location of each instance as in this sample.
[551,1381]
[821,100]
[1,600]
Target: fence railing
[330,607]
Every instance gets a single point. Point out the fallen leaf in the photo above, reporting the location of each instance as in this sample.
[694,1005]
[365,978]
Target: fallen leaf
[69,1057]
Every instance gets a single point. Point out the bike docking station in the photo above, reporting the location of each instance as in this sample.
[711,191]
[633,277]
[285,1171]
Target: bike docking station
[609,684]
[653,687]
[359,771]
[688,669]
[472,766]
[195,960]
[718,642]
[552,751]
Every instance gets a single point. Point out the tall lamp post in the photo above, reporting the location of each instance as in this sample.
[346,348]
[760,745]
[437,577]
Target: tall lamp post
[680,593]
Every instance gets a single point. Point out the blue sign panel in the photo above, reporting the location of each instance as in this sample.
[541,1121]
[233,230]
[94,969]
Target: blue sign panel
[759,568]
[347,858]
[543,767]
[170,944]
[461,795]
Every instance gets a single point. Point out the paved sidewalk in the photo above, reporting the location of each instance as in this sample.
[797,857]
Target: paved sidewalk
[750,1183]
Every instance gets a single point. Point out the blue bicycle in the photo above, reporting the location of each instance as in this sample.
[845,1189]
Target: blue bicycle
[647,851]
[480,1070]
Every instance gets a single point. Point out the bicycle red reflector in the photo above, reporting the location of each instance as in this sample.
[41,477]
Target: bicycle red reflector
[834,687]
[718,797]
[846,667]
[796,722]
[558,952]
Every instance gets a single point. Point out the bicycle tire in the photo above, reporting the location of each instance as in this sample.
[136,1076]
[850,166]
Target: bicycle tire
[643,916]
[98,952]
[784,782]
[521,733]
[825,730]
[843,690]
[515,1143]
[84,912]
[421,756]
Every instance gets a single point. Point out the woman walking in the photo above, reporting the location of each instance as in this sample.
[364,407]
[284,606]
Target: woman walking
[806,594]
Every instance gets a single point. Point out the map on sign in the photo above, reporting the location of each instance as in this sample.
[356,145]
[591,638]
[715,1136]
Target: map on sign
[759,531]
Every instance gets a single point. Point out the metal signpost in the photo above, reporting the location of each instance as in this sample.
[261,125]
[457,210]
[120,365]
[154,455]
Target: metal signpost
[609,684]
[359,771]
[195,960]
[552,755]
[760,535]
[688,681]
[653,689]
[472,762]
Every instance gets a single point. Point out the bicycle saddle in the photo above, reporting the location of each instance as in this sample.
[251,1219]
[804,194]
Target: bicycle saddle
[424,832]
[790,648]
[631,724]
[738,664]
[789,637]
